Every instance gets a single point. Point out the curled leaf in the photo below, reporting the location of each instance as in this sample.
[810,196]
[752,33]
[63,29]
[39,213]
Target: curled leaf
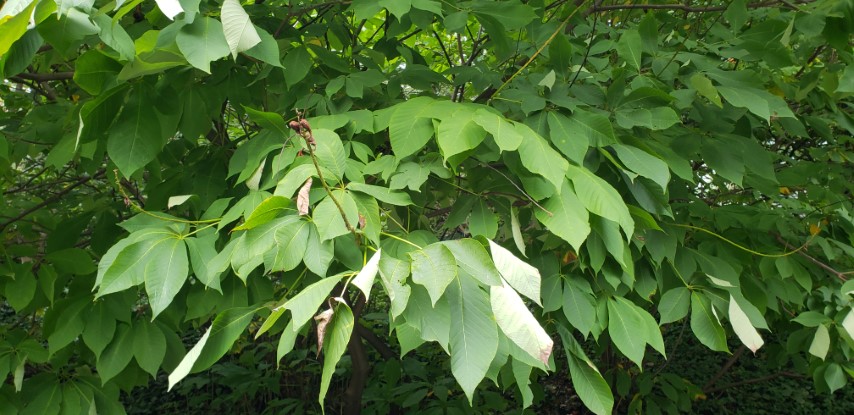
[322,320]
[302,197]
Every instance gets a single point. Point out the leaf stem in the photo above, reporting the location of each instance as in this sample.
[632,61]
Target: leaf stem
[397,238]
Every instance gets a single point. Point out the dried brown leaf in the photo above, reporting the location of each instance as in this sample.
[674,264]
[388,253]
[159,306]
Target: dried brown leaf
[322,320]
[302,197]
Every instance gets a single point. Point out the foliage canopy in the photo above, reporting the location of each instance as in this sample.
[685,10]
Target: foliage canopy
[491,180]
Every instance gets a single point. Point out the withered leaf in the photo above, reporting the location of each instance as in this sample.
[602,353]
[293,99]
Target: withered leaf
[302,197]
[322,320]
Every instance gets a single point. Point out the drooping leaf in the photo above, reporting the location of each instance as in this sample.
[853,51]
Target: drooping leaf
[705,324]
[623,323]
[518,324]
[743,328]
[630,48]
[644,164]
[334,347]
[189,360]
[674,305]
[524,278]
[820,343]
[474,335]
[165,273]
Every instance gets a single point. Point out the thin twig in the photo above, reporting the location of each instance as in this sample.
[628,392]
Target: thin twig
[828,268]
[531,199]
[50,200]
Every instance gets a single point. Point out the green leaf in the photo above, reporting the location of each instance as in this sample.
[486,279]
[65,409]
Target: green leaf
[482,220]
[100,328]
[383,194]
[268,210]
[434,267]
[586,379]
[674,305]
[409,128]
[630,47]
[290,247]
[524,278]
[705,324]
[286,341]
[835,377]
[96,72]
[811,319]
[579,307]
[459,133]
[165,273]
[305,304]
[364,280]
[297,63]
[591,128]
[657,118]
[270,121]
[149,346]
[267,51]
[337,337]
[569,136]
[239,32]
[760,102]
[135,138]
[117,355]
[600,198]
[474,335]
[226,328]
[330,152]
[433,322]
[189,360]
[566,217]
[327,217]
[14,27]
[743,328]
[516,230]
[503,131]
[518,324]
[820,343]
[644,164]
[318,254]
[704,87]
[539,158]
[393,274]
[202,253]
[623,323]
[115,36]
[202,42]
[473,259]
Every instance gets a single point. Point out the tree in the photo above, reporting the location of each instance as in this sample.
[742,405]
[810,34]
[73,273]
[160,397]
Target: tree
[491,176]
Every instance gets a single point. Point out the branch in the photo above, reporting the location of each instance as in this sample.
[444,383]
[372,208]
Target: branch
[691,9]
[42,77]
[828,268]
[304,130]
[725,368]
[754,380]
[50,200]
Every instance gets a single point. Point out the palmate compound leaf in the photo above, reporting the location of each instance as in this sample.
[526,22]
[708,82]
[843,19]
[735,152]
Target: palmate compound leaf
[474,334]
[123,266]
[518,324]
